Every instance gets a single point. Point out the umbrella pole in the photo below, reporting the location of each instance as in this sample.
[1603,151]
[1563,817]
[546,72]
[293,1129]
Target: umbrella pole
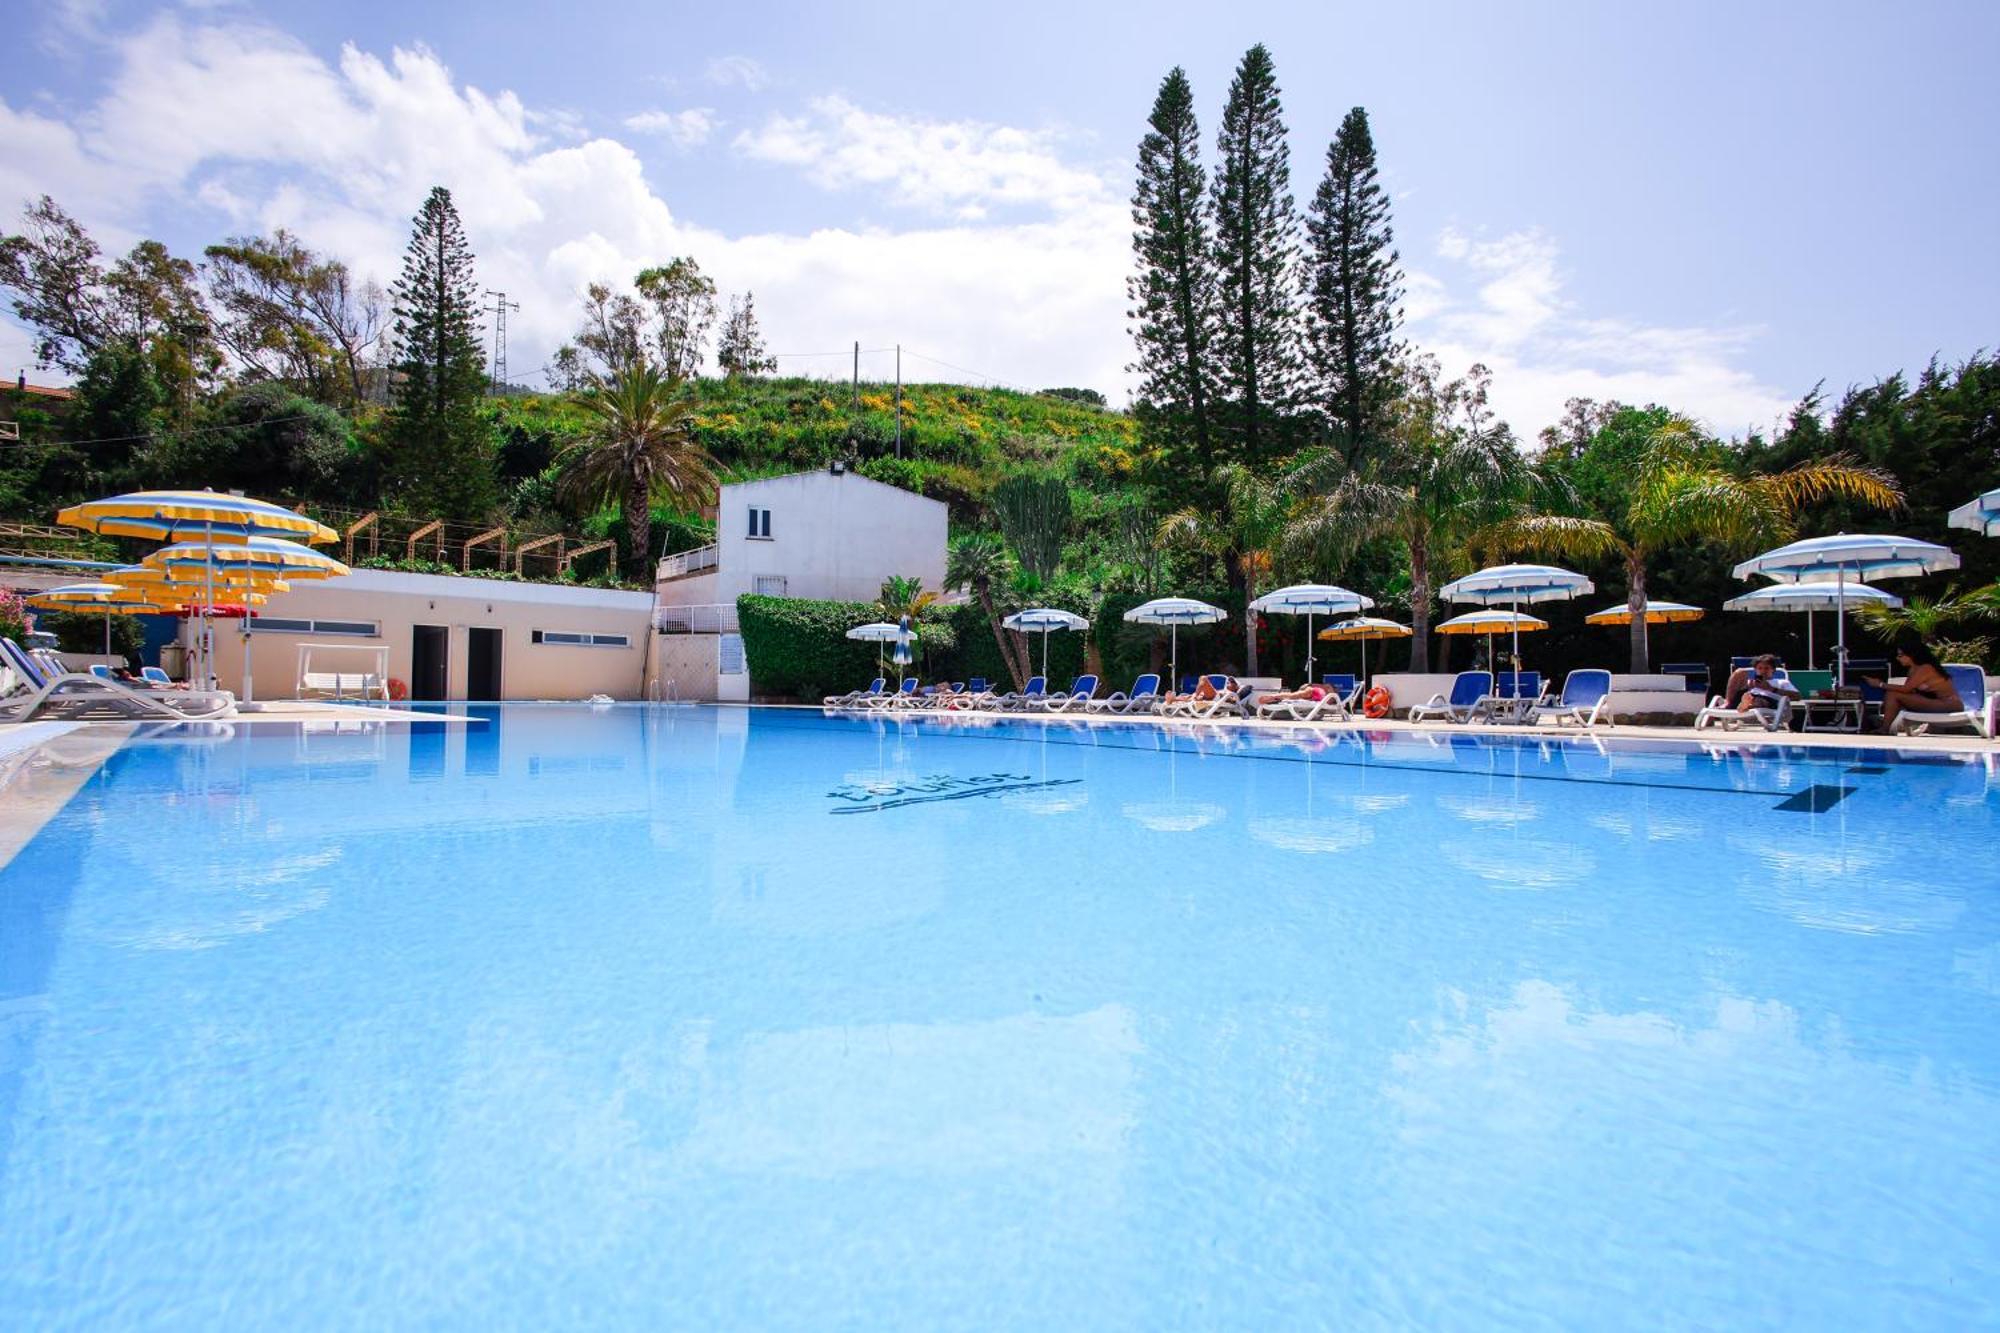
[107,634]
[1840,609]
[1045,658]
[1174,653]
[1809,638]
[248,689]
[1309,647]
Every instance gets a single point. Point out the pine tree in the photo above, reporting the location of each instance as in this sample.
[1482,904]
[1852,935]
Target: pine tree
[1356,286]
[739,348]
[437,441]
[1173,293]
[1256,251]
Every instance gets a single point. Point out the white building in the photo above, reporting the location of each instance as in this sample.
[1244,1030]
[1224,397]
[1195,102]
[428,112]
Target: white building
[832,535]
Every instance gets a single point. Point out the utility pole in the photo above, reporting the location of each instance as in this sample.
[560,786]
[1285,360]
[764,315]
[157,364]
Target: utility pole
[501,305]
[857,372]
[899,400]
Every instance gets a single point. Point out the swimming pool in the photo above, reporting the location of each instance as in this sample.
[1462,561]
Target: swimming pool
[650,1017]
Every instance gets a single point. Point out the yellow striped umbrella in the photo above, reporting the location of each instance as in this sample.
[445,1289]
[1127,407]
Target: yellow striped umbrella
[185,515]
[105,599]
[1491,623]
[1657,613]
[1360,630]
[146,578]
[266,555]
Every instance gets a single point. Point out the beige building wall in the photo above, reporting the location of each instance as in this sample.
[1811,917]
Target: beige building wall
[398,603]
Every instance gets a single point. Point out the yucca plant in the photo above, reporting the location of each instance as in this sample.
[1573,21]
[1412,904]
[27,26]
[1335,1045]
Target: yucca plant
[1681,491]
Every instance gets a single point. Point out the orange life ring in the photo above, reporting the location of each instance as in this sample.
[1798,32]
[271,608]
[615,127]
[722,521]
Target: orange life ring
[1375,703]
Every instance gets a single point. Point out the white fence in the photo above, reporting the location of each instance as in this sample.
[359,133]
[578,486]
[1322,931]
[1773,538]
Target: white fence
[702,618]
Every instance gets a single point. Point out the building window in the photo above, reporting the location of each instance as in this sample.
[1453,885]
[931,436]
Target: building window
[769,585]
[353,629]
[577,639]
[760,524]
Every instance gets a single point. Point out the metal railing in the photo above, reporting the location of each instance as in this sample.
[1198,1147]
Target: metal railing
[701,618]
[684,563]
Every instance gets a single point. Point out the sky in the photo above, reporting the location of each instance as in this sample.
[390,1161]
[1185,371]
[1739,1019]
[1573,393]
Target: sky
[1711,206]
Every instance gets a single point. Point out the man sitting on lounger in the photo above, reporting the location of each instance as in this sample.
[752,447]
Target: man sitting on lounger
[1757,687]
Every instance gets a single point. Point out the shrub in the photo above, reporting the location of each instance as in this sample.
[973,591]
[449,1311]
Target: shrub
[799,647]
[13,617]
[82,632]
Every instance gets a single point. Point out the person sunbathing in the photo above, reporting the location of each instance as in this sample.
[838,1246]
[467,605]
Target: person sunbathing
[1309,693]
[1205,690]
[1926,686]
[1758,686]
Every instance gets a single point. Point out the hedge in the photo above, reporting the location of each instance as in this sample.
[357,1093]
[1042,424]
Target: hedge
[798,648]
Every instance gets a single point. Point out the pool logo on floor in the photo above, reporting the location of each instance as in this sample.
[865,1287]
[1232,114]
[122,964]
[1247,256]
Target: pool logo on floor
[870,797]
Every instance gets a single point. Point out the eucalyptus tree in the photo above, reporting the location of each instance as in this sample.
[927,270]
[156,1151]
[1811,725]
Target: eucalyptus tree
[1450,470]
[1678,486]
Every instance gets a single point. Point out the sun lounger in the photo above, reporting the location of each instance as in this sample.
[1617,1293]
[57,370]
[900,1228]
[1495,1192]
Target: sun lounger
[1329,706]
[1778,717]
[1143,697]
[1226,702]
[39,691]
[1348,687]
[1077,700]
[1466,691]
[1028,695]
[158,679]
[890,698]
[1970,682]
[853,697]
[1585,700]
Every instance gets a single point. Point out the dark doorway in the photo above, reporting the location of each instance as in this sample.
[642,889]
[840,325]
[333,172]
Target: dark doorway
[430,662]
[482,663]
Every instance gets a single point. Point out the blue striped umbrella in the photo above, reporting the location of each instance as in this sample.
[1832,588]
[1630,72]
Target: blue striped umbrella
[1845,557]
[1981,515]
[1309,600]
[1045,620]
[1174,612]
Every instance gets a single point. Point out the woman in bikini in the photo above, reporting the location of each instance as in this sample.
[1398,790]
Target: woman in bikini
[1926,686]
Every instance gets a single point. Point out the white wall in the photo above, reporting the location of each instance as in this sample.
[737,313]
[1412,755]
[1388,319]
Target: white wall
[399,602]
[833,537]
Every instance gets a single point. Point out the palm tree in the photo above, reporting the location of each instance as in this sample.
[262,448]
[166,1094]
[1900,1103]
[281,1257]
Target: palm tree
[1928,619]
[975,563]
[1242,530]
[640,448]
[1450,471]
[902,598]
[1680,490]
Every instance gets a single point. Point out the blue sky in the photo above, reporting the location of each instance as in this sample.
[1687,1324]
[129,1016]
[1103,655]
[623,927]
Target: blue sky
[1693,203]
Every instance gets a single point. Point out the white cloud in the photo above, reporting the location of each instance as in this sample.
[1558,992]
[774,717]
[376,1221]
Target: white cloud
[237,121]
[683,129]
[737,71]
[956,167]
[238,126]
[1516,318]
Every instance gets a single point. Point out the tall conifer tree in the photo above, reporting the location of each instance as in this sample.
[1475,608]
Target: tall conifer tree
[436,438]
[1173,292]
[1356,287]
[1256,254]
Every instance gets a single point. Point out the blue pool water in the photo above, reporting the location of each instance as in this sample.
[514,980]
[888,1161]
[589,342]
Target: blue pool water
[681,1017]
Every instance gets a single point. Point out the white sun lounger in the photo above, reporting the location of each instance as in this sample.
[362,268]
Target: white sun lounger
[1970,682]
[1144,697]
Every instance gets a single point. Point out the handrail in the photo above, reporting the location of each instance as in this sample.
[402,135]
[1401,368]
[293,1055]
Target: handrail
[701,618]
